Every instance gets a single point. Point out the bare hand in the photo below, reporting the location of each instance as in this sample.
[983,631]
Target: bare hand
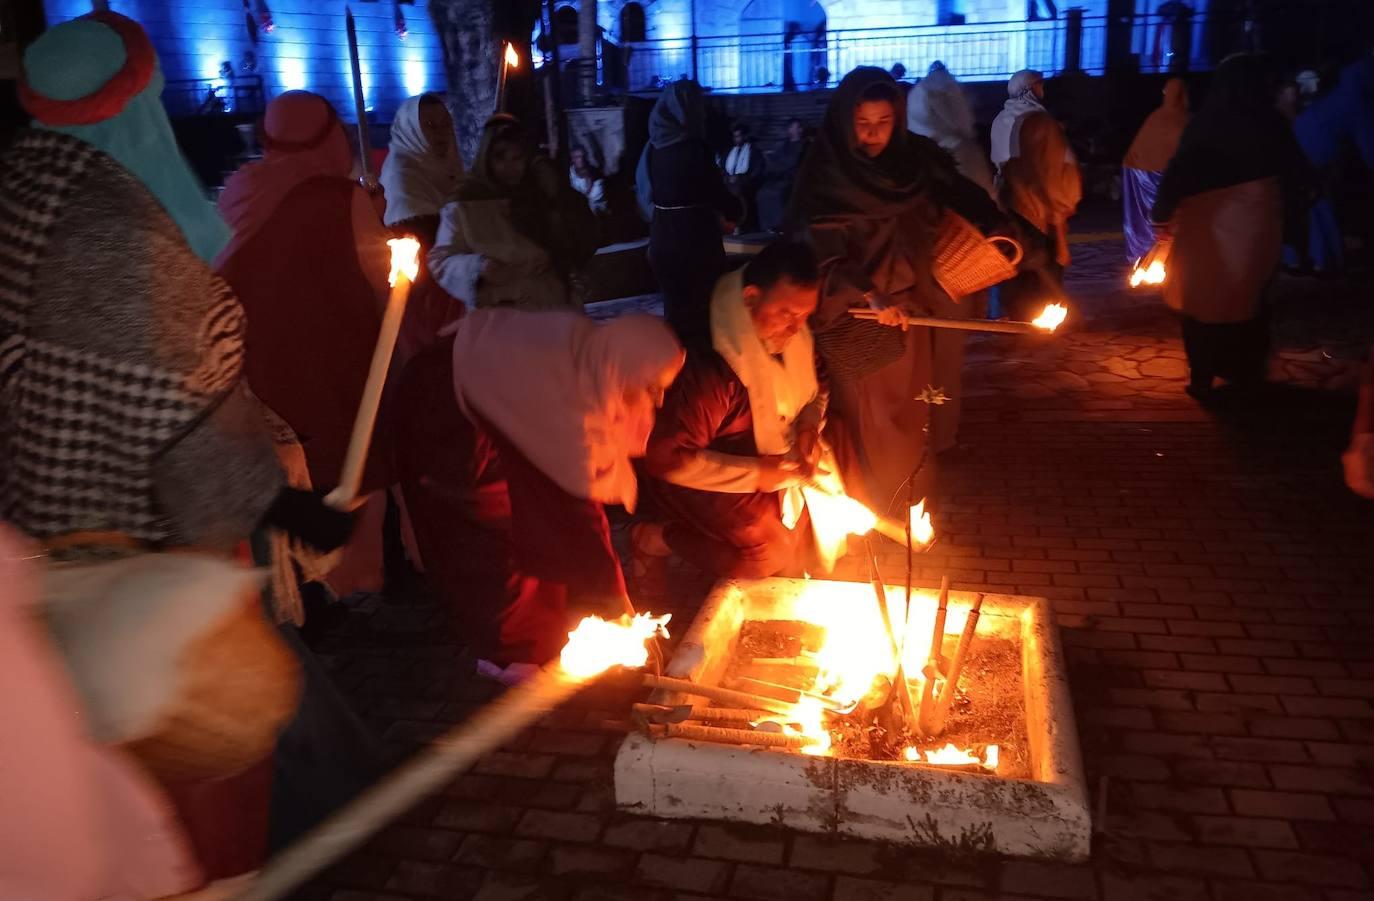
[809,448]
[1359,465]
[777,473]
[893,316]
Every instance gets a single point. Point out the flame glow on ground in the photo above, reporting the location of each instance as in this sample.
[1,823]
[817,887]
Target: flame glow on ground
[596,645]
[405,259]
[1151,274]
[949,755]
[1051,317]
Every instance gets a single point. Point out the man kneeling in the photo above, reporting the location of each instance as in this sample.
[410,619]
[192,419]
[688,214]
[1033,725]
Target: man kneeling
[739,431]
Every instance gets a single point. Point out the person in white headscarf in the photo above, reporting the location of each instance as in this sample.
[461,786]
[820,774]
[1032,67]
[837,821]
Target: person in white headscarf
[938,109]
[1025,91]
[422,167]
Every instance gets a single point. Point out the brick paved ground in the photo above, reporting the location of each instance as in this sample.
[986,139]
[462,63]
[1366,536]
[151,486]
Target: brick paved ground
[1215,587]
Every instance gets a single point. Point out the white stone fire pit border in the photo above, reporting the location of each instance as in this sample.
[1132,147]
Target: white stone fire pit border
[1045,816]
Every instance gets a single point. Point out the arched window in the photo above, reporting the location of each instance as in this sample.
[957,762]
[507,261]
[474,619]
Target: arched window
[631,23]
[565,25]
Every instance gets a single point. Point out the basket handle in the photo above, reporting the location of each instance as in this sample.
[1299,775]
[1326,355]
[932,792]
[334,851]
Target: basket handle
[1015,247]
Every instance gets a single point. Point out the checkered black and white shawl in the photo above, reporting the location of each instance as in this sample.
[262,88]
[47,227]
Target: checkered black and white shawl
[121,354]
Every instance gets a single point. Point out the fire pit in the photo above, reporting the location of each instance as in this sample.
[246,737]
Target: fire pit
[828,747]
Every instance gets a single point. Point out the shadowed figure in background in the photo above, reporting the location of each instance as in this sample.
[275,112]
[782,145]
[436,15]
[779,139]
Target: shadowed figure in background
[744,167]
[780,178]
[516,229]
[1144,165]
[1239,178]
[938,109]
[682,192]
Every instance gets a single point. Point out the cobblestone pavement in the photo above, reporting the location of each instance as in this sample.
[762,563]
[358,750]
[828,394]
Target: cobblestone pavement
[1214,584]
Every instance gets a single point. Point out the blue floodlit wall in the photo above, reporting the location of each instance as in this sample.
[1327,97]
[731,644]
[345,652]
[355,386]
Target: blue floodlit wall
[307,48]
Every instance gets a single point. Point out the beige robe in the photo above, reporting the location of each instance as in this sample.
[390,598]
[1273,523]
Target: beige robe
[1226,246]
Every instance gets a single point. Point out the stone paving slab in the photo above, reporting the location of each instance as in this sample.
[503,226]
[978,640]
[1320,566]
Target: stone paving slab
[1214,584]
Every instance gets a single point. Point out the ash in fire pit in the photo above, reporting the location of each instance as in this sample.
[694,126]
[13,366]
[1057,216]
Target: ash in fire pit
[767,711]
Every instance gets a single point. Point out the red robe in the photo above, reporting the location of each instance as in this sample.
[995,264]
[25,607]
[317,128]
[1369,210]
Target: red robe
[733,535]
[517,556]
[313,320]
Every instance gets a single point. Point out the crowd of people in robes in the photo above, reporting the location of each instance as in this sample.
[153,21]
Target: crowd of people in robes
[188,381]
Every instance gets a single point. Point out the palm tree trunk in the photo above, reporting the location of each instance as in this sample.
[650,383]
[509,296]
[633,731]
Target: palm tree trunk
[472,33]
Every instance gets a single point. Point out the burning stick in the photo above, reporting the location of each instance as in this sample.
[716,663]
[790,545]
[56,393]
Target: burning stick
[731,736]
[790,695]
[405,266]
[510,60]
[594,647]
[925,718]
[956,667]
[720,695]
[900,686]
[1049,319]
[1150,269]
[660,713]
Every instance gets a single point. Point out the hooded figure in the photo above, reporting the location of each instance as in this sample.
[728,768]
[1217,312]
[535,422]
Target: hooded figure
[309,261]
[1025,91]
[1238,178]
[872,195]
[422,167]
[1145,162]
[938,109]
[682,192]
[510,440]
[515,230]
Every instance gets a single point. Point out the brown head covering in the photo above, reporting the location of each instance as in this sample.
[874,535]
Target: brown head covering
[1158,138]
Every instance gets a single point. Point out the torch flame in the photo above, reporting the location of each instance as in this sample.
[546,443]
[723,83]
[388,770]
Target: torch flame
[922,530]
[597,645]
[1152,273]
[840,513]
[808,718]
[405,259]
[1051,317]
[512,58]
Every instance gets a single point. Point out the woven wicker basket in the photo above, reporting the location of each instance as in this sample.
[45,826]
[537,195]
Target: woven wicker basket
[967,261]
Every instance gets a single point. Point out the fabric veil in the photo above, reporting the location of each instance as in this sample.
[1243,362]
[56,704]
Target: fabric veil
[1158,138]
[1021,102]
[553,384]
[678,115]
[97,79]
[302,138]
[837,179]
[1237,136]
[778,389]
[938,109]
[417,180]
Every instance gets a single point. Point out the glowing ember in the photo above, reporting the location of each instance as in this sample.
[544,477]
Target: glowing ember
[512,58]
[1051,317]
[922,531]
[1152,273]
[597,645]
[405,259]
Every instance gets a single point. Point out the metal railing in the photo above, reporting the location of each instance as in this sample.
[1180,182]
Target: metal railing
[242,94]
[983,51]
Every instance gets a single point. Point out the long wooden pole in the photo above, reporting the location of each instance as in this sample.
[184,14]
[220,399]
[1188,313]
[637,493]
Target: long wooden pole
[956,667]
[967,325]
[455,751]
[351,477]
[721,695]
